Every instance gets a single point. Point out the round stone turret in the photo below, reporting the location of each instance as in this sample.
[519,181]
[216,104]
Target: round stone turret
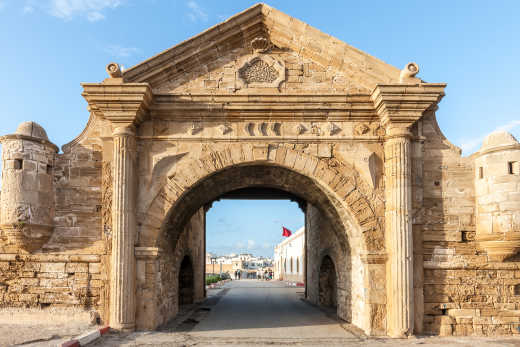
[32,129]
[497,196]
[27,200]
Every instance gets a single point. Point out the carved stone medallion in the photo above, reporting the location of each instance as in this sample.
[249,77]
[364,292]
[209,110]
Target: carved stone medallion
[259,71]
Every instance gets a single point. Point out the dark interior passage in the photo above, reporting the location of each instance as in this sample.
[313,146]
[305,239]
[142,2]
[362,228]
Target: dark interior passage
[186,286]
[328,289]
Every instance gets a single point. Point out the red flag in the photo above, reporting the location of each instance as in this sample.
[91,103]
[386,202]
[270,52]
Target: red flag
[286,232]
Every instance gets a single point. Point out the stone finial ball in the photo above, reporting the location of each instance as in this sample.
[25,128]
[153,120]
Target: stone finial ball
[114,71]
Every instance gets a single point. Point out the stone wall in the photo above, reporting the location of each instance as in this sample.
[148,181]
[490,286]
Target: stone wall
[158,277]
[321,241]
[44,280]
[466,292]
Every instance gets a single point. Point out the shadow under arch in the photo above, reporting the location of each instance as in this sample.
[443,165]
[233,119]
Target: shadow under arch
[329,190]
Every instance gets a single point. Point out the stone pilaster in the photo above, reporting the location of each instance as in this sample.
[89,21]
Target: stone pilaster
[122,279]
[399,106]
[125,105]
[398,196]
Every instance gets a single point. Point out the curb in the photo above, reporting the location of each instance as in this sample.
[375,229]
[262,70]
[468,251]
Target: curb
[86,338]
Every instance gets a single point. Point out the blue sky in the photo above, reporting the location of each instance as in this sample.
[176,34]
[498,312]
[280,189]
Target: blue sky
[50,46]
[250,226]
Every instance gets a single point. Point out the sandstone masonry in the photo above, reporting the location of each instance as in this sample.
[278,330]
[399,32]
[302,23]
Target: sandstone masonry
[420,239]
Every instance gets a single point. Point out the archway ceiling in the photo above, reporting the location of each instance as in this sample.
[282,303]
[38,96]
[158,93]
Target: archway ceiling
[242,178]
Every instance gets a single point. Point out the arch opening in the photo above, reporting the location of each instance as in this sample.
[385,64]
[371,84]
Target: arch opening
[186,283]
[328,285]
[330,228]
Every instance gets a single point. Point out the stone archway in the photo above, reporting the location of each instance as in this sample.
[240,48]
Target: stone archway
[334,191]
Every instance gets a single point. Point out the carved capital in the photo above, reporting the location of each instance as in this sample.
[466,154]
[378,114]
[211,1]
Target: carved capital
[121,103]
[401,105]
[124,130]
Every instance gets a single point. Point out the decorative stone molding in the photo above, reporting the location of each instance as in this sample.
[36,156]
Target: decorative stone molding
[407,74]
[121,103]
[194,128]
[27,237]
[374,258]
[106,198]
[300,129]
[260,44]
[276,128]
[262,128]
[114,70]
[147,253]
[225,128]
[250,129]
[333,129]
[404,104]
[261,71]
[361,129]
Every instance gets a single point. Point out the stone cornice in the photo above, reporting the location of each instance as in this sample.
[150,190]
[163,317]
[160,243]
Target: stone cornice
[29,138]
[263,107]
[402,105]
[122,104]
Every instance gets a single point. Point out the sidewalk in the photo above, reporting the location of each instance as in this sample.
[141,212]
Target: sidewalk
[41,327]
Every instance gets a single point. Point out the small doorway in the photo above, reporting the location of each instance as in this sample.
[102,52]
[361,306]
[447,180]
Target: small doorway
[186,286]
[328,288]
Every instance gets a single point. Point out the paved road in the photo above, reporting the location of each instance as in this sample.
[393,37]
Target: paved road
[259,309]
[258,313]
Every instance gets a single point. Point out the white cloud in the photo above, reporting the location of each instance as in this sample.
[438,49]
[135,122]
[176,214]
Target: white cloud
[266,245]
[28,8]
[251,244]
[239,245]
[120,51]
[472,144]
[90,9]
[196,12]
[95,16]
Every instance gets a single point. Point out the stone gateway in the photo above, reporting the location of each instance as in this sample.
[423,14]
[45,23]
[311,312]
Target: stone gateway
[403,235]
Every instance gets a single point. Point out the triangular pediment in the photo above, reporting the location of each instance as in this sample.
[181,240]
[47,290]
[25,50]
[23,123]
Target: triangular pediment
[260,50]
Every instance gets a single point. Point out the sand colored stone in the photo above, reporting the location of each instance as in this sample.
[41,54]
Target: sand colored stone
[421,239]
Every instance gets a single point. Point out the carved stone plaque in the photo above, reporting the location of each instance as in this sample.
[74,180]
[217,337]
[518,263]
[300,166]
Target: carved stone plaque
[259,72]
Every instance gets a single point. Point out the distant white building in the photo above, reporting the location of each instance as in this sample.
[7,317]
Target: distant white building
[289,259]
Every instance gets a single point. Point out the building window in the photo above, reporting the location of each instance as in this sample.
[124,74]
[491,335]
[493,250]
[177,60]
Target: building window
[18,164]
[516,289]
[513,167]
[481,172]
